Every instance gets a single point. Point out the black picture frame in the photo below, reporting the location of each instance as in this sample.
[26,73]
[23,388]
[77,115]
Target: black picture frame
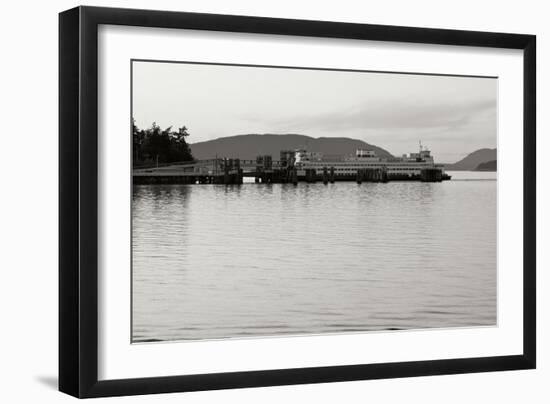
[78,201]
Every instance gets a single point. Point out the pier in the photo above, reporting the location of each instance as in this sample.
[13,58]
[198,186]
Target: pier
[266,170]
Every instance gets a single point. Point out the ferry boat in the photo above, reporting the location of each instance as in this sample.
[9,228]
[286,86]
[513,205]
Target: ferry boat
[414,166]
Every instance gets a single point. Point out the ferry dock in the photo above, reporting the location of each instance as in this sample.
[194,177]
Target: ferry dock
[296,166]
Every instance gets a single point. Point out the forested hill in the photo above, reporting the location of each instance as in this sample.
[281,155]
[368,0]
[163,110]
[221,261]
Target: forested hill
[247,147]
[473,160]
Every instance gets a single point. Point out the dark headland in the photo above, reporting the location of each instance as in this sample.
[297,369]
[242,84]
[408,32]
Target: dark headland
[472,161]
[488,166]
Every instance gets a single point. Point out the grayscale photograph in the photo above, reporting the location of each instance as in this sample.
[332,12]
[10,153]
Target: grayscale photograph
[281,201]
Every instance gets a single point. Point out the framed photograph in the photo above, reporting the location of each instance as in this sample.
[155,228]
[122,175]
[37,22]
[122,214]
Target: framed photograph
[250,201]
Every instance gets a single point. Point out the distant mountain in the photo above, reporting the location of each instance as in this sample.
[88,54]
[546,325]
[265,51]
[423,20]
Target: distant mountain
[472,160]
[247,147]
[488,166]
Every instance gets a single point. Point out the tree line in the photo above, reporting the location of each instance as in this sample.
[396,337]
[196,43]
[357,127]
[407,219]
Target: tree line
[157,146]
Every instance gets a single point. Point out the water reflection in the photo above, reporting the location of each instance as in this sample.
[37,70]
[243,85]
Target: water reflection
[214,261]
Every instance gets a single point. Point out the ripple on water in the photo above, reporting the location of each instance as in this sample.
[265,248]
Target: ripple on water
[258,260]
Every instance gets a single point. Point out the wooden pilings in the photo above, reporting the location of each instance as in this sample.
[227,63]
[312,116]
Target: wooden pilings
[290,174]
[372,175]
[264,169]
[431,175]
[311,175]
[328,175]
[232,171]
[359,176]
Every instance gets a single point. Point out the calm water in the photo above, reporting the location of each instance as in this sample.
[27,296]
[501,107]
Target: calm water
[215,261]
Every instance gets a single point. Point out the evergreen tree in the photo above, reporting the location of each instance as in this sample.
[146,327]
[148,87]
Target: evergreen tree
[155,145]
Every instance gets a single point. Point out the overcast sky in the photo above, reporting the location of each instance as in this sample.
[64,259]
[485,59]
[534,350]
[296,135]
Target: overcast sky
[453,116]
